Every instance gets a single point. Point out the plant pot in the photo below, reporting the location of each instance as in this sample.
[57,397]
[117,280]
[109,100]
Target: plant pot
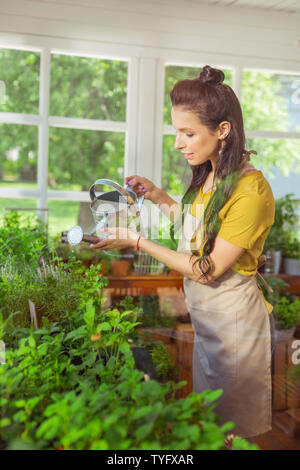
[86,263]
[103,269]
[284,335]
[277,262]
[291,266]
[120,267]
[273,261]
[173,272]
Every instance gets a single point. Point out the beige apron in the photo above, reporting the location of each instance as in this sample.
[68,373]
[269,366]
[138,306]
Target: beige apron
[232,347]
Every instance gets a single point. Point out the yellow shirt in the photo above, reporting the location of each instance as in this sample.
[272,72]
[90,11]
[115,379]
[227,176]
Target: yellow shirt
[246,219]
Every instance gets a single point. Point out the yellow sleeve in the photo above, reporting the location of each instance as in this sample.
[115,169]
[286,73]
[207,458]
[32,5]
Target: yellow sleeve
[245,220]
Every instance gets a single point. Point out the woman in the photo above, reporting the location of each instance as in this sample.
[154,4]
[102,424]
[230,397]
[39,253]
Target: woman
[231,318]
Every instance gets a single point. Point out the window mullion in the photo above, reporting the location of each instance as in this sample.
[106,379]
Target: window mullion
[43,131]
[237,81]
[130,163]
[159,124]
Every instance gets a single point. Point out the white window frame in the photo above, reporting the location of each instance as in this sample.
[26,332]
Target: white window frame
[144,128]
[44,121]
[237,88]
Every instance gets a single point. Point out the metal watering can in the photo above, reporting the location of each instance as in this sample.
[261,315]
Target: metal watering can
[119,208]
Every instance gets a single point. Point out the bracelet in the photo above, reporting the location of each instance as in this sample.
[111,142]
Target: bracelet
[137,243]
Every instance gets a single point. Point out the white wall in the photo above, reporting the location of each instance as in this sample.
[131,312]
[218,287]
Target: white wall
[167,29]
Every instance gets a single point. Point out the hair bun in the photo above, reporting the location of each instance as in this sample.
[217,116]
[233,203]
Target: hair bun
[211,76]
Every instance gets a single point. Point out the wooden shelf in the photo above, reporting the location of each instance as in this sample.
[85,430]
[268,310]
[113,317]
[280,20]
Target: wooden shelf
[148,284]
[293,281]
[143,285]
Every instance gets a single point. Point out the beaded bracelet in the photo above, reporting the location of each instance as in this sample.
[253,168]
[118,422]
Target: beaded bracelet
[137,243]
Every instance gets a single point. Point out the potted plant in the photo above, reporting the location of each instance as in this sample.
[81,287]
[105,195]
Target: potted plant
[286,220]
[120,265]
[286,314]
[291,254]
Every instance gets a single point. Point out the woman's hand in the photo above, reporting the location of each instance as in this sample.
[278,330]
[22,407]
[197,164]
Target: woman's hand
[118,238]
[144,187]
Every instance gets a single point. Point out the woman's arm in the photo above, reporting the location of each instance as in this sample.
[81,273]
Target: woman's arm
[223,255]
[144,187]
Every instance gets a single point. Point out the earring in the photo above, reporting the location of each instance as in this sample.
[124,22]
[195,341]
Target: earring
[222,147]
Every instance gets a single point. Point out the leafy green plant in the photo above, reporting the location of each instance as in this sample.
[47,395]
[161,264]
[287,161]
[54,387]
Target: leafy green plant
[284,232]
[162,360]
[287,312]
[73,385]
[286,309]
[278,285]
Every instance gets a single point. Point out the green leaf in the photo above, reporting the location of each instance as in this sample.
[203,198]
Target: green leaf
[5,422]
[143,431]
[77,334]
[212,395]
[104,326]
[31,341]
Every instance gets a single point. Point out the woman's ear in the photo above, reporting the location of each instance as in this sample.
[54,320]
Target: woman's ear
[224,129]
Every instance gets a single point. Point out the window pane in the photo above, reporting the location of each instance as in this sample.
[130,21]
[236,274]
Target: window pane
[78,157]
[176,174]
[20,71]
[275,155]
[83,87]
[9,203]
[18,156]
[271,101]
[175,73]
[62,216]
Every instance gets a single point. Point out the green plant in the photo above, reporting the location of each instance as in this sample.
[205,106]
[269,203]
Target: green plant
[278,285]
[162,360]
[73,385]
[287,312]
[285,229]
[22,239]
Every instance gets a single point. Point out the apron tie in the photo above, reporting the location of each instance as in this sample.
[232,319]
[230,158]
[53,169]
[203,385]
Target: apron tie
[261,262]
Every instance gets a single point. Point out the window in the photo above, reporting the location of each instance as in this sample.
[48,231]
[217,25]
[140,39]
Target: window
[89,88]
[78,157]
[270,101]
[20,71]
[87,127]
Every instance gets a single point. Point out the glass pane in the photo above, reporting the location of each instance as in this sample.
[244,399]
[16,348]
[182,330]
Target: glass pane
[62,216]
[77,158]
[83,87]
[276,155]
[20,72]
[18,156]
[175,73]
[9,203]
[176,173]
[271,101]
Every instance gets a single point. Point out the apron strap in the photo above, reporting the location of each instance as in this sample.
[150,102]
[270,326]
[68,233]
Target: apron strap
[264,282]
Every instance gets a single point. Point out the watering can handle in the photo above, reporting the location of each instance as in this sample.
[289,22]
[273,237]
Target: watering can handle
[111,183]
[119,188]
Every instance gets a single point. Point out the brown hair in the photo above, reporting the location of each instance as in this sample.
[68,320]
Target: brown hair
[213,102]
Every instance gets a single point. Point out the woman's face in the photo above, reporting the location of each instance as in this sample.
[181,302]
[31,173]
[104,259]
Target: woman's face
[195,141]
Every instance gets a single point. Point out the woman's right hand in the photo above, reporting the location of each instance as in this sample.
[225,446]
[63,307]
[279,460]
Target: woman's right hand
[144,187]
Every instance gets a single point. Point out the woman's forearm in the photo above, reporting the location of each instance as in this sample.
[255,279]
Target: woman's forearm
[167,205]
[174,260]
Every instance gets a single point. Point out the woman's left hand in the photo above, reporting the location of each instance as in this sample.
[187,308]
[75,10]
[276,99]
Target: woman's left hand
[118,238]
